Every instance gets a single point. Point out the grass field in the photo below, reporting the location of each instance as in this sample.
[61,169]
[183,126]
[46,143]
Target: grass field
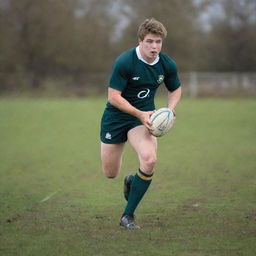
[55,200]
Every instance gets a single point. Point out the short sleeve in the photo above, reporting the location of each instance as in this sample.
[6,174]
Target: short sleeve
[172,81]
[119,76]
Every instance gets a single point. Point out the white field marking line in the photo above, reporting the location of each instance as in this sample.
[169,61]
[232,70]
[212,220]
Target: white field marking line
[48,197]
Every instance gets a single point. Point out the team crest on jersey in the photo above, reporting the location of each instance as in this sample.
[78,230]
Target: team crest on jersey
[160,79]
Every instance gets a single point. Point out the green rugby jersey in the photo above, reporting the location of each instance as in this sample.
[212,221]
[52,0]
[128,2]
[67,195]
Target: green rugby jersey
[138,81]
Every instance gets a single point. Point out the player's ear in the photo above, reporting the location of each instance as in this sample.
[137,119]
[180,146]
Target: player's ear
[140,41]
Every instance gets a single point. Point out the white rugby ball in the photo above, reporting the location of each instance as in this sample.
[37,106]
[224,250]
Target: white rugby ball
[162,121]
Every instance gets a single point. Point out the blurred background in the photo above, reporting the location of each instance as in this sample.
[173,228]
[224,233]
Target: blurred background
[67,47]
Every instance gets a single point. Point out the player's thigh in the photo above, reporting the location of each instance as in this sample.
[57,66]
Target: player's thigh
[143,142]
[111,157]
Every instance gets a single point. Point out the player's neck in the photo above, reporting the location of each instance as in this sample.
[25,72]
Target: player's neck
[144,59]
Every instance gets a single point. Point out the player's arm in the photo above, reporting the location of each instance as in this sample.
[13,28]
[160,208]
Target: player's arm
[174,98]
[116,99]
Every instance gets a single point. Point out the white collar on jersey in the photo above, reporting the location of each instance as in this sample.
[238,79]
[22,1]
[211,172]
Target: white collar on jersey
[140,57]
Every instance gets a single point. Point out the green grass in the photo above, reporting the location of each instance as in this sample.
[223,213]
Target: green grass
[56,201]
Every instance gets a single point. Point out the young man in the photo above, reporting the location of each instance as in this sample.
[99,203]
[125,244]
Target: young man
[135,77]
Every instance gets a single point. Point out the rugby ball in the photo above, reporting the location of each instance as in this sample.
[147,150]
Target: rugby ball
[162,121]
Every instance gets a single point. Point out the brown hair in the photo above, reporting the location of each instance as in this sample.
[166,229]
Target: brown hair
[151,26]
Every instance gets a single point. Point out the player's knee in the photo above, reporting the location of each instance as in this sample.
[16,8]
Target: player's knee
[149,160]
[110,174]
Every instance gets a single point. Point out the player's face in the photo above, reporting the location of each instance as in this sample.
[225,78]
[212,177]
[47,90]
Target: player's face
[150,47]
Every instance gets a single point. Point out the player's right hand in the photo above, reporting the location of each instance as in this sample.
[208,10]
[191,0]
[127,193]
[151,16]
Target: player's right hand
[144,117]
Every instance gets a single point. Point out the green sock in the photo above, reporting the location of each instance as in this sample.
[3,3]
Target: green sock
[139,186]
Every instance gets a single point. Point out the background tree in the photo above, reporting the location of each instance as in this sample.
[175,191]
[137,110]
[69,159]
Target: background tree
[49,38]
[179,17]
[72,39]
[229,45]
